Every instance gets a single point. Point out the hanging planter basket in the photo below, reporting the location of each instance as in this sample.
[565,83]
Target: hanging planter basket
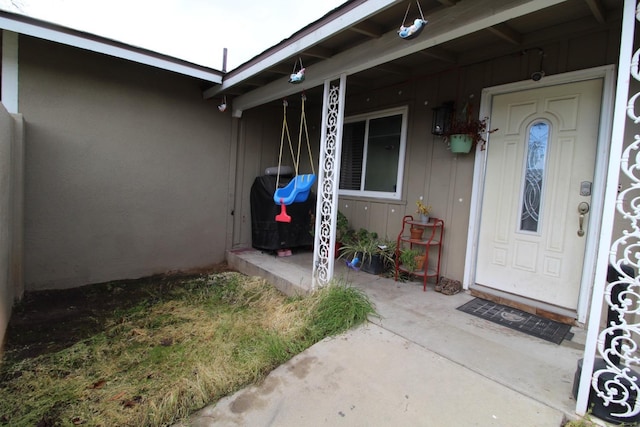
[460,143]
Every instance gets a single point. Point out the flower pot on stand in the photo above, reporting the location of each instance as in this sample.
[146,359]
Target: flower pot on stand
[419,262]
[460,143]
[424,218]
[416,233]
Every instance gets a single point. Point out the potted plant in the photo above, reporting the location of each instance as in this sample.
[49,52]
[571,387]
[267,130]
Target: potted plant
[466,132]
[360,244]
[423,211]
[411,259]
[374,254]
[387,252]
[416,232]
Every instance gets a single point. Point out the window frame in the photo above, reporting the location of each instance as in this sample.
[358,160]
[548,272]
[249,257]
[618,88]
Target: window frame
[403,111]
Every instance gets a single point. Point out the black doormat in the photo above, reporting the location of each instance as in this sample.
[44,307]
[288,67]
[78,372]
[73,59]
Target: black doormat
[516,319]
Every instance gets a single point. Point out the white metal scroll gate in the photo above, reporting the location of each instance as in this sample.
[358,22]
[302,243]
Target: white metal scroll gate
[616,347]
[328,181]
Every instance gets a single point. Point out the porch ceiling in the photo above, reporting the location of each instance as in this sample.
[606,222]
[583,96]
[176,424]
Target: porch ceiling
[483,34]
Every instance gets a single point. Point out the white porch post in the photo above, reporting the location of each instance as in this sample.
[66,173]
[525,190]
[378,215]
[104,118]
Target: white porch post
[328,181]
[620,391]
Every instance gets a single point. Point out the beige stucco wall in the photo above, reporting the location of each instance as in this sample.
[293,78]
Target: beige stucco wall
[431,171]
[127,169]
[6,290]
[11,187]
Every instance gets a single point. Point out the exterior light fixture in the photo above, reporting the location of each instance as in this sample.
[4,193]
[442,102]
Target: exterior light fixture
[442,118]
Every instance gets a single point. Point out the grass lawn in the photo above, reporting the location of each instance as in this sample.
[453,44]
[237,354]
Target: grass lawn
[151,352]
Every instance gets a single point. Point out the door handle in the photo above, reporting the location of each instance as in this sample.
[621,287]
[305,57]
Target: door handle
[583,208]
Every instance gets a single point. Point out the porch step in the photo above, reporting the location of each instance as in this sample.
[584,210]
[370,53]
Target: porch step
[283,272]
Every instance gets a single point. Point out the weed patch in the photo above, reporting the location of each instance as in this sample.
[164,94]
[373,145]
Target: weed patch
[171,347]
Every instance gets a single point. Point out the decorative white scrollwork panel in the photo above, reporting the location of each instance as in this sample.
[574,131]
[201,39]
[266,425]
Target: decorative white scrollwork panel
[616,382]
[327,182]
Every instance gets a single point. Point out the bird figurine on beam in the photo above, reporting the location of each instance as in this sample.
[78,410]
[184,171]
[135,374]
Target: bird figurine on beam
[297,77]
[412,30]
[223,105]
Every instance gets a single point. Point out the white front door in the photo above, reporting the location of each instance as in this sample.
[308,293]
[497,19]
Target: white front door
[540,166]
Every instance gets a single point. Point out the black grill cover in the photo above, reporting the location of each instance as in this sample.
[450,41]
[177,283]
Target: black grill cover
[266,232]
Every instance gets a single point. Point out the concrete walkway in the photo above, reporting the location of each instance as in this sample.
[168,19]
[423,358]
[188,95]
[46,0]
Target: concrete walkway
[423,363]
[373,377]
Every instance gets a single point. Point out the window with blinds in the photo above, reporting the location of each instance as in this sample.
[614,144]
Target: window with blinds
[373,149]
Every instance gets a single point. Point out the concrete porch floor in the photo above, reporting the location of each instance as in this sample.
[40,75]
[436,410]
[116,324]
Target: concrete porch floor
[534,368]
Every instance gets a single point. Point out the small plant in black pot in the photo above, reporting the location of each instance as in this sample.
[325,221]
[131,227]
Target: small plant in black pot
[375,255]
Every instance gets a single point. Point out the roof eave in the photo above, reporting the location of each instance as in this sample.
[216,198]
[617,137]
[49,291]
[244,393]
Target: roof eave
[468,17]
[47,31]
[332,23]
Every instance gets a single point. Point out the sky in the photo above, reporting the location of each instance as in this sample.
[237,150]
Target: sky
[192,30]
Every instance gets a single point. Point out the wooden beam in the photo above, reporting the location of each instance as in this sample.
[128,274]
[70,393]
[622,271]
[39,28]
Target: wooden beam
[237,90]
[440,54]
[598,10]
[368,29]
[281,69]
[448,2]
[318,52]
[584,25]
[359,82]
[506,33]
[253,83]
[444,25]
[392,68]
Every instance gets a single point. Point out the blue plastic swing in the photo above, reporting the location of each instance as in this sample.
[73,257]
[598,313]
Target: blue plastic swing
[298,189]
